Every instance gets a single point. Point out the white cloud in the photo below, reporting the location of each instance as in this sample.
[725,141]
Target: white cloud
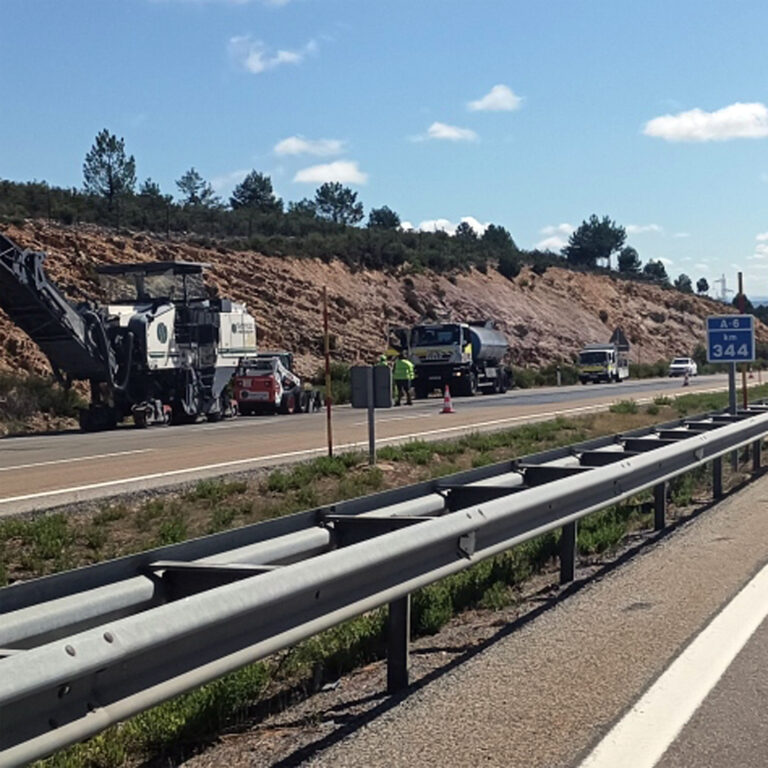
[639,229]
[446,225]
[476,225]
[560,229]
[665,262]
[681,234]
[444,132]
[437,225]
[736,121]
[298,145]
[762,237]
[761,251]
[557,237]
[254,56]
[551,244]
[500,98]
[228,180]
[702,266]
[344,171]
[406,226]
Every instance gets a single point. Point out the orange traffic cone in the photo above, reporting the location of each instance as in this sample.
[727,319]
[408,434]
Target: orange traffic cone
[447,405]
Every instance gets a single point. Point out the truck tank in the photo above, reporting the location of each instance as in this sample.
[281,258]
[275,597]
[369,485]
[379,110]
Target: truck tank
[488,344]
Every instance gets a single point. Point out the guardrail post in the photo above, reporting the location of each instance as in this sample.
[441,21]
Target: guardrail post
[398,642]
[568,553]
[659,506]
[717,477]
[756,447]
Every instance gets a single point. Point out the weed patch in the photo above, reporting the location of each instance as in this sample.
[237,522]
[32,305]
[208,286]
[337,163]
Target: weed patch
[624,406]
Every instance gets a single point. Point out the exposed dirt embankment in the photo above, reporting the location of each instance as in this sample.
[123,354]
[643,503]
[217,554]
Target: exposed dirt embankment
[545,317]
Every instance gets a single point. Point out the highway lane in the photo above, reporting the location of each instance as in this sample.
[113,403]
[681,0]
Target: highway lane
[41,471]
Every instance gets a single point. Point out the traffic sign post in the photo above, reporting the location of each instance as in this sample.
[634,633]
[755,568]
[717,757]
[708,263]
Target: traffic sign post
[731,339]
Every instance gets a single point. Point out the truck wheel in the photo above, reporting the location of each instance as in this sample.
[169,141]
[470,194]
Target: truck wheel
[503,385]
[288,403]
[97,418]
[472,385]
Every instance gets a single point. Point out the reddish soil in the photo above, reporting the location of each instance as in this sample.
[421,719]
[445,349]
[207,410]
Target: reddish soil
[546,318]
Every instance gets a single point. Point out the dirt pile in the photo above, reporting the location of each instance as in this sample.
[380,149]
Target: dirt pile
[546,318]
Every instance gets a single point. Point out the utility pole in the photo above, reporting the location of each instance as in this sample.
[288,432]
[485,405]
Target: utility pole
[327,347]
[742,305]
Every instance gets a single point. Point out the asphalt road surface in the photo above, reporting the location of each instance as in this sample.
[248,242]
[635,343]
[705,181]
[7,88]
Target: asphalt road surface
[42,471]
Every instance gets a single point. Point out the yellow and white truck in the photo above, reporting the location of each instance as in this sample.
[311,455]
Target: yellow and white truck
[605,362]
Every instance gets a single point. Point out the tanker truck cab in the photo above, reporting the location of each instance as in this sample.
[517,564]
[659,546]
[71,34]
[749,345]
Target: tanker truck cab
[464,356]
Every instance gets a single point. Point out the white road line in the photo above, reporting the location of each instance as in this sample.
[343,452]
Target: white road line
[642,737]
[380,420]
[78,458]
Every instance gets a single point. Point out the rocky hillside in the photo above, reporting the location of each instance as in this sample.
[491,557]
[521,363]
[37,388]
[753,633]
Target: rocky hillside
[545,317]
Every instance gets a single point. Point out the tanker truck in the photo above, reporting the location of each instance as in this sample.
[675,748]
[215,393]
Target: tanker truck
[468,357]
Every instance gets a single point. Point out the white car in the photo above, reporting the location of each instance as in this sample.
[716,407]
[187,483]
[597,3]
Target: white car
[681,366]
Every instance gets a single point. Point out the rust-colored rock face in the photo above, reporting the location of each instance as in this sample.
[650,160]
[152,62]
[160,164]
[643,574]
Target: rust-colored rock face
[545,318]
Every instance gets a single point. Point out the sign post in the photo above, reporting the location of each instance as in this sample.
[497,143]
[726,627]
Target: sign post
[731,339]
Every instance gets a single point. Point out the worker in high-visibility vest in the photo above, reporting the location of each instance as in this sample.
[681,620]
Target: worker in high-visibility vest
[403,375]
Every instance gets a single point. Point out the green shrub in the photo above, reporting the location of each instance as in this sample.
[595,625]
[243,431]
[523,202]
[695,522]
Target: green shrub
[624,406]
[340,386]
[23,396]
[648,370]
[172,530]
[216,490]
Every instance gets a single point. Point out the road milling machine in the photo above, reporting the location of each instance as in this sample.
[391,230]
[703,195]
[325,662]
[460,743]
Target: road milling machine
[159,349]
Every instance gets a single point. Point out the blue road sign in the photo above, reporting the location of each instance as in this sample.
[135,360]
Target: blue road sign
[730,339]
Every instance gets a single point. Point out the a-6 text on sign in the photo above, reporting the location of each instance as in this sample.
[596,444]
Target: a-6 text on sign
[730,339]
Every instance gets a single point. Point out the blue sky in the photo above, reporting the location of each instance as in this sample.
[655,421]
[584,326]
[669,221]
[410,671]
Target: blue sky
[532,115]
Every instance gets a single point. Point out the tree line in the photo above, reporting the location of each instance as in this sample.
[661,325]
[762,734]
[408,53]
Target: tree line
[326,225]
[597,240]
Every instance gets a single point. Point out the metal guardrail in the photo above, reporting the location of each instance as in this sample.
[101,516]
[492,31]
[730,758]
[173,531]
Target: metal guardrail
[87,648]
